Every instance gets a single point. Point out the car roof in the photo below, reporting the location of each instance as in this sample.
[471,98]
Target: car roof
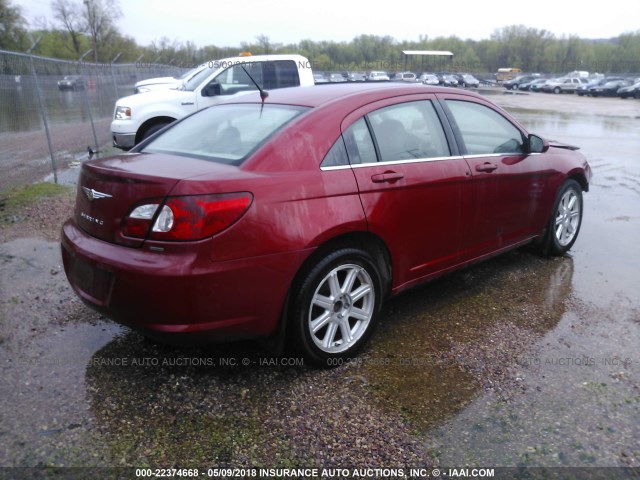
[320,95]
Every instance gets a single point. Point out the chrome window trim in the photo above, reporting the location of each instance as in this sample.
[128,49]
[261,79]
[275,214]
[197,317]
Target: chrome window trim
[393,162]
[493,155]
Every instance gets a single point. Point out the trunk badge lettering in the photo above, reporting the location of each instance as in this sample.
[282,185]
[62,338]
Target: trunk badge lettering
[94,194]
[91,219]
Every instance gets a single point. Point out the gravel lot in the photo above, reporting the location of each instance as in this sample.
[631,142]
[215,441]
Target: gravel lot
[520,361]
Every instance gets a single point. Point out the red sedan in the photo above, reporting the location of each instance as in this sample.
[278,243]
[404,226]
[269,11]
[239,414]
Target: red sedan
[298,215]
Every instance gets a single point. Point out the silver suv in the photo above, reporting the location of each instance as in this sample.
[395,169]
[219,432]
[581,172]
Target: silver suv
[563,85]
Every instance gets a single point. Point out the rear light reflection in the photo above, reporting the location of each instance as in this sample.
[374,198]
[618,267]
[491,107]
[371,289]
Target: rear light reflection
[186,218]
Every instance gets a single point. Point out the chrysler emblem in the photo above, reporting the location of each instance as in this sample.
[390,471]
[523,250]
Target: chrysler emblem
[94,194]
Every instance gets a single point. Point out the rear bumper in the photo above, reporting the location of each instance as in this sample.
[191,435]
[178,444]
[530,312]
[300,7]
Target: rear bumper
[180,295]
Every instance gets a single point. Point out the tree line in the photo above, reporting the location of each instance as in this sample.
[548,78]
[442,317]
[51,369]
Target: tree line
[89,27]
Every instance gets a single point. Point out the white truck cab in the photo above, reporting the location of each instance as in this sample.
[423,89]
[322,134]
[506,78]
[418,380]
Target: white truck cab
[136,117]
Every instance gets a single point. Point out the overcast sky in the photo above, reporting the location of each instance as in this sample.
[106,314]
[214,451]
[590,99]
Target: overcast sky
[229,23]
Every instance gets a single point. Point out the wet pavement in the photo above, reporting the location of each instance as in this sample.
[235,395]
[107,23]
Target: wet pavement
[520,361]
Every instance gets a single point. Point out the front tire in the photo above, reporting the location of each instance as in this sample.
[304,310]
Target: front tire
[335,307]
[153,129]
[564,224]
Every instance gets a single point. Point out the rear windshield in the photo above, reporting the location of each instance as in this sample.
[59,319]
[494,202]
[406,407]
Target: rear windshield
[224,133]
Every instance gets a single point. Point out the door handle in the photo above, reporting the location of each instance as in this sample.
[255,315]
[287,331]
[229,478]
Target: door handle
[388,177]
[486,167]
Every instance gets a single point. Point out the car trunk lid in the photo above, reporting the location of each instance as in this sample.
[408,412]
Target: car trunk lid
[109,188]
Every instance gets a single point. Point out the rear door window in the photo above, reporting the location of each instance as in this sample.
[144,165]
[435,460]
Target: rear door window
[408,131]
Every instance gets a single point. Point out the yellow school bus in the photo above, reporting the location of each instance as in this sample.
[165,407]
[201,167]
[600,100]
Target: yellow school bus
[505,74]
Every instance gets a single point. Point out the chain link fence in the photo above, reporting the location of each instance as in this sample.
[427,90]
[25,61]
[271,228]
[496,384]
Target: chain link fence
[46,127]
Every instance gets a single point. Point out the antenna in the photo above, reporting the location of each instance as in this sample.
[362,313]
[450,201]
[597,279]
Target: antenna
[263,93]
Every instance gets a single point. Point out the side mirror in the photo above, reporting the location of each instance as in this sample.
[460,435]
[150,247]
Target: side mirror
[536,144]
[212,90]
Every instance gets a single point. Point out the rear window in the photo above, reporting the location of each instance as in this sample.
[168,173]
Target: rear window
[269,75]
[224,133]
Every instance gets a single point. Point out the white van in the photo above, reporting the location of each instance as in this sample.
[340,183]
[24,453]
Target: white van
[136,117]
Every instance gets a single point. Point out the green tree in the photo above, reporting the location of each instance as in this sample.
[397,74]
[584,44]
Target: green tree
[56,44]
[13,34]
[627,54]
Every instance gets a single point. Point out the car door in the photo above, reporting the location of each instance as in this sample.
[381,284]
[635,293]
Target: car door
[508,184]
[411,183]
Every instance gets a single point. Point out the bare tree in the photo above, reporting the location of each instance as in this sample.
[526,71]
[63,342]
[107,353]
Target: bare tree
[100,17]
[94,18]
[265,43]
[69,15]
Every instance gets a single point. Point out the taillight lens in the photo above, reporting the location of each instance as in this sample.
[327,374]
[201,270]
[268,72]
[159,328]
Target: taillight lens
[186,218]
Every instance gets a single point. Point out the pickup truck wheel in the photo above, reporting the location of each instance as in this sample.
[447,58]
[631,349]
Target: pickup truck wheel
[153,129]
[335,307]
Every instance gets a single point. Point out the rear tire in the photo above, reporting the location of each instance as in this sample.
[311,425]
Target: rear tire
[566,219]
[335,307]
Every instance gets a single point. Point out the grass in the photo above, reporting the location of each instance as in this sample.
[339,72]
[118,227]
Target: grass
[28,194]
[13,201]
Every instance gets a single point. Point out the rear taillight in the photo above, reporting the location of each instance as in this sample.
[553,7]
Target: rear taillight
[186,218]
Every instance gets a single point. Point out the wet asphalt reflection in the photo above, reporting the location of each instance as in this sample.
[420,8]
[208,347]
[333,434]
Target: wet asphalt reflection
[521,360]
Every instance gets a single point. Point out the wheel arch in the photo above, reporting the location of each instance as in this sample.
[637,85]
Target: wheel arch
[150,123]
[581,179]
[363,240]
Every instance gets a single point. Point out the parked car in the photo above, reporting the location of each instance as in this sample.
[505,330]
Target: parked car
[514,83]
[378,77]
[537,86]
[630,91]
[429,79]
[356,77]
[405,77]
[448,80]
[533,85]
[336,78]
[470,81]
[563,84]
[72,82]
[609,88]
[585,88]
[296,215]
[319,78]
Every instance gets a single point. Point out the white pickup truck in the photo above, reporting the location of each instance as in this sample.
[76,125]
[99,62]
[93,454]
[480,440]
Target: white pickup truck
[165,83]
[136,117]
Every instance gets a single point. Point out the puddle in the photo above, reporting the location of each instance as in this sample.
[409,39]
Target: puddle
[448,342]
